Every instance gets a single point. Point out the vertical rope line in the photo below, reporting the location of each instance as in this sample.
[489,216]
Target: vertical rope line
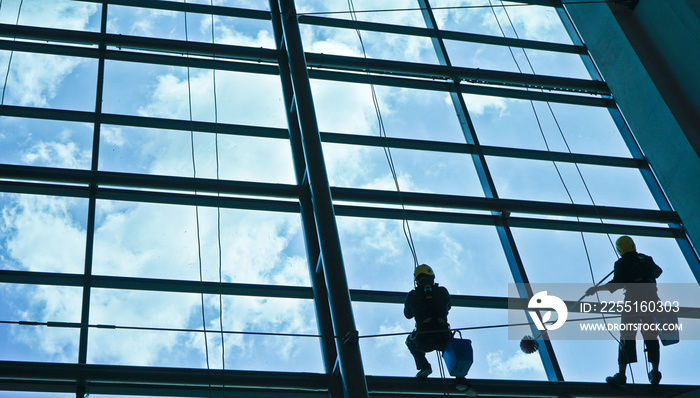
[12,52]
[194,172]
[578,219]
[445,391]
[218,195]
[387,150]
[583,180]
[561,133]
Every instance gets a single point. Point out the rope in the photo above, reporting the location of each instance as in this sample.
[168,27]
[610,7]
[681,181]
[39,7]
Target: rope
[218,195]
[447,8]
[583,180]
[254,333]
[194,175]
[9,62]
[445,392]
[387,149]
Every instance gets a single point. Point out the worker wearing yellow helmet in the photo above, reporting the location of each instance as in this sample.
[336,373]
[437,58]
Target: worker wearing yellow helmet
[429,304]
[636,273]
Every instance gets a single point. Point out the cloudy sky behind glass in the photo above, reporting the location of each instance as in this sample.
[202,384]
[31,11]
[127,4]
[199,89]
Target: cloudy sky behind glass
[48,234]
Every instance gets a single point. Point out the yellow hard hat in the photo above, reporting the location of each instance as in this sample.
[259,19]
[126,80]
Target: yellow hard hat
[423,269]
[625,244]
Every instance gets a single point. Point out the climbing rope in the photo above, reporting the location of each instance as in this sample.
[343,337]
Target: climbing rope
[386,147]
[561,133]
[12,52]
[255,333]
[218,195]
[218,209]
[447,8]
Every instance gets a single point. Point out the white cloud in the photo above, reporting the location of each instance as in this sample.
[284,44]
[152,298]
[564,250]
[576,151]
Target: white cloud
[57,13]
[57,154]
[481,104]
[112,135]
[43,235]
[503,365]
[34,78]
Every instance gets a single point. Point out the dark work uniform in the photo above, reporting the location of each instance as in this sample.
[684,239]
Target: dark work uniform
[636,273]
[429,305]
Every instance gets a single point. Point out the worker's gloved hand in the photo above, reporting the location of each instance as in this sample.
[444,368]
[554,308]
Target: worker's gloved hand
[591,290]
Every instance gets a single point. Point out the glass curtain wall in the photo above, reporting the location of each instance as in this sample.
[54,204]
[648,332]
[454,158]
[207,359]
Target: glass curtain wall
[151,211]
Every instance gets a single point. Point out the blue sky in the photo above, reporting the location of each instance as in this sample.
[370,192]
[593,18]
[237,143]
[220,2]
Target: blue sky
[48,234]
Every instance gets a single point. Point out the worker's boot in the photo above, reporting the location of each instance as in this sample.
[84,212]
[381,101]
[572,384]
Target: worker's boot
[616,380]
[424,372]
[461,385]
[654,377]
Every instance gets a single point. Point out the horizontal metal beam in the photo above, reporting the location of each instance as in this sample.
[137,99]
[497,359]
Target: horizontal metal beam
[156,285]
[514,222]
[221,11]
[148,181]
[471,75]
[178,184]
[184,382]
[265,62]
[326,137]
[155,375]
[228,289]
[455,147]
[387,386]
[105,179]
[445,34]
[182,47]
[503,205]
[466,88]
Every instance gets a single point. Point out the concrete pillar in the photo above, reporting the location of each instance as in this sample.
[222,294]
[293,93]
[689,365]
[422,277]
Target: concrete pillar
[650,57]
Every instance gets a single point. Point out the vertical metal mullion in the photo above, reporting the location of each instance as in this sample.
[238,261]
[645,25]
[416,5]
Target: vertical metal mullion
[313,253]
[330,255]
[505,234]
[689,252]
[92,203]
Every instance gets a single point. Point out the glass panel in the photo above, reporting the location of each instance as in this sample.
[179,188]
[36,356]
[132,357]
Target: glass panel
[566,254]
[166,92]
[542,181]
[171,25]
[49,81]
[251,4]
[575,358]
[395,12]
[258,332]
[377,256]
[377,45]
[160,241]
[48,143]
[406,113]
[166,152]
[565,128]
[517,60]
[73,15]
[417,171]
[493,19]
[43,233]
[552,64]
[27,303]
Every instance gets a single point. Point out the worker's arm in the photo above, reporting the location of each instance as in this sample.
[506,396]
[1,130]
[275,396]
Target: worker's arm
[408,307]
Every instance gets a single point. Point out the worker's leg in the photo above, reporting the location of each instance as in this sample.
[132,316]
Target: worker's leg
[422,363]
[651,346]
[626,352]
